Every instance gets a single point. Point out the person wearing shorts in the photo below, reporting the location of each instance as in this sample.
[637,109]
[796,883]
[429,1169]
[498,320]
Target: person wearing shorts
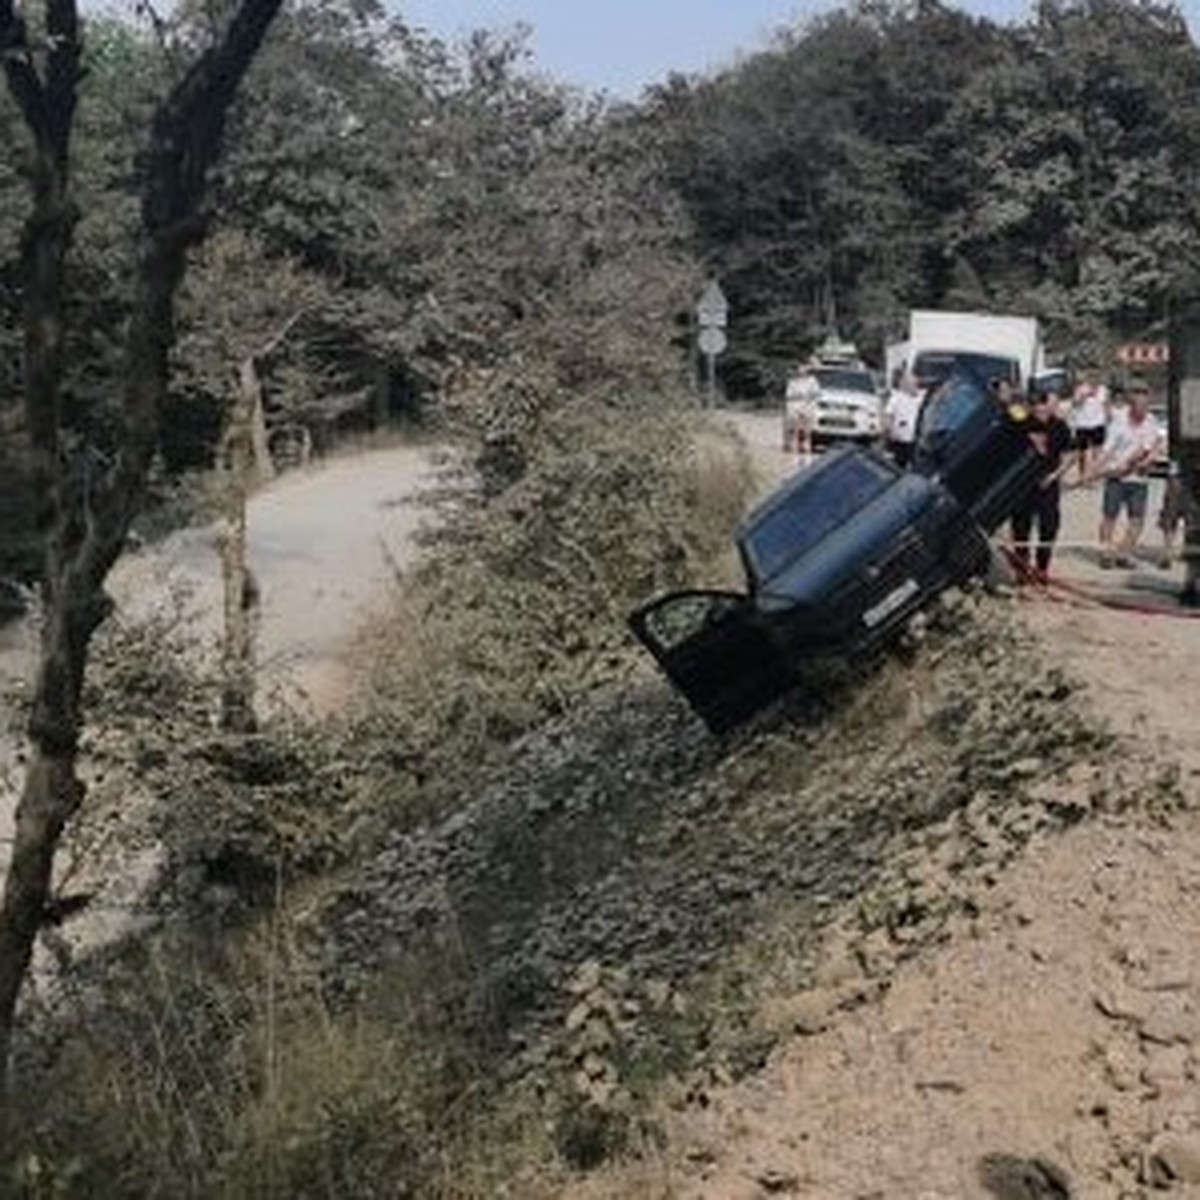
[1090,406]
[1131,444]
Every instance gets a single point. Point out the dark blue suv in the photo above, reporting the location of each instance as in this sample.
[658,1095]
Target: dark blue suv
[841,555]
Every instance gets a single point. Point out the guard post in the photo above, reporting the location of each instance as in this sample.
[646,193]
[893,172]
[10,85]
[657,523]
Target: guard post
[1183,415]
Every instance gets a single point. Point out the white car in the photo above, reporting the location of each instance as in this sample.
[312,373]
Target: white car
[832,404]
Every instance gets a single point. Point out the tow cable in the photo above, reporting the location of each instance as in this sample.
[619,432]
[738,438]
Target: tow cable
[1074,592]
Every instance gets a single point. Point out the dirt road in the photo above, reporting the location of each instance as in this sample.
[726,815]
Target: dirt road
[323,546]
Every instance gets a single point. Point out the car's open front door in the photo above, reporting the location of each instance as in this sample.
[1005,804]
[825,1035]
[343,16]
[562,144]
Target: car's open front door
[714,651]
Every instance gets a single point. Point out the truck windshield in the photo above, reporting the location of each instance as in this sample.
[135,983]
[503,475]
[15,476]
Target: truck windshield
[829,496]
[932,367]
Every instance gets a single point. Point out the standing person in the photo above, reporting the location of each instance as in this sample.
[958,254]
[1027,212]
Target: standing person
[1051,436]
[1133,441]
[800,400]
[1179,510]
[1170,515]
[900,412]
[1090,411]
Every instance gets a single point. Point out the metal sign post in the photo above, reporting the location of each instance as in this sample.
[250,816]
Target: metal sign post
[712,315]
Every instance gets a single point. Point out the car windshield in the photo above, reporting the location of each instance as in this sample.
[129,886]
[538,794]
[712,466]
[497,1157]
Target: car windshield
[844,379]
[835,493]
[934,367]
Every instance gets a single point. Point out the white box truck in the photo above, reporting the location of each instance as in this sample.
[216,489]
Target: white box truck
[988,345]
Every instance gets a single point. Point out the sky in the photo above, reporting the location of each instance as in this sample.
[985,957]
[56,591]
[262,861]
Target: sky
[620,46]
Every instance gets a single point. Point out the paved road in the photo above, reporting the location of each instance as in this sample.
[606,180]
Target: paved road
[324,545]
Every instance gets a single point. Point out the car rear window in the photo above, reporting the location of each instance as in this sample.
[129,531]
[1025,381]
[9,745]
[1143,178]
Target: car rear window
[951,408]
[835,492]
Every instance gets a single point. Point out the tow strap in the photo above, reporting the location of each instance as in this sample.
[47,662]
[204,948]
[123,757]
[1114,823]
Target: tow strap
[1059,589]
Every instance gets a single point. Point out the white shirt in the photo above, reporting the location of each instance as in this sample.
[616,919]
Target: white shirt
[900,412]
[1090,406]
[1129,448]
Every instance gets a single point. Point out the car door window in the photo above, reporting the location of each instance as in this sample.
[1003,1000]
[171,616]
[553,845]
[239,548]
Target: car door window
[683,616]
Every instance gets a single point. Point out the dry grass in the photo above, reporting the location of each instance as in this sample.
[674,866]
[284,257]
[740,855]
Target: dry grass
[238,1081]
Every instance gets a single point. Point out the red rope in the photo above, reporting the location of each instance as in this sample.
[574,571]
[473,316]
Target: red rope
[1026,575]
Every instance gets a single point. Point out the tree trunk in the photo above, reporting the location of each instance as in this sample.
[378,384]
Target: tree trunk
[85,513]
[240,588]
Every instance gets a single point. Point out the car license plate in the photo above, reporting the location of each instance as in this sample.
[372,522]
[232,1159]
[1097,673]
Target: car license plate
[892,601]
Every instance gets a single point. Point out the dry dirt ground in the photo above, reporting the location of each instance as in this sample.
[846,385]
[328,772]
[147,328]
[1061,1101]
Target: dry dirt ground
[1051,1046]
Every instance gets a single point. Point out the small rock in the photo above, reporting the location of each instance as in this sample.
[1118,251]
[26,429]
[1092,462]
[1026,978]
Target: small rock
[1169,1018]
[1009,1177]
[1166,975]
[776,1182]
[1026,768]
[596,1035]
[1123,1066]
[1178,1154]
[578,1016]
[594,1067]
[1120,1002]
[586,979]
[1166,1066]
[658,992]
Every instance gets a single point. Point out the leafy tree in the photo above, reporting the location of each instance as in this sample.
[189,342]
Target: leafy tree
[89,490]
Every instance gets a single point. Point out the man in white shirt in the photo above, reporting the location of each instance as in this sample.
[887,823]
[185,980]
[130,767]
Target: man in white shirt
[1133,440]
[900,412]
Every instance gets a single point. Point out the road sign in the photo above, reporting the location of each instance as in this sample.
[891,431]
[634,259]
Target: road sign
[1143,353]
[712,340]
[713,309]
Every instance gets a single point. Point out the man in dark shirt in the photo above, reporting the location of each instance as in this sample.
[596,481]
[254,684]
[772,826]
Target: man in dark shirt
[1051,436]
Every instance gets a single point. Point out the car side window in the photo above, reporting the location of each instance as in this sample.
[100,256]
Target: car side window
[948,412]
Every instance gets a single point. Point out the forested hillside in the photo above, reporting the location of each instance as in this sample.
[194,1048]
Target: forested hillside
[891,156]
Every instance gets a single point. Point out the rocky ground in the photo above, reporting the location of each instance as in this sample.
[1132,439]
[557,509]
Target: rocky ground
[923,927]
[1046,1042]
